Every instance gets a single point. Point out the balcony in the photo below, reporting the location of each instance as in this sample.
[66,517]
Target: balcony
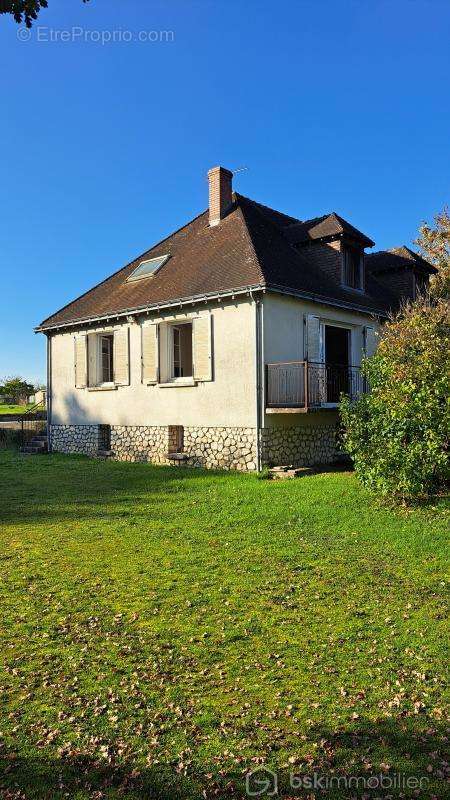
[302,386]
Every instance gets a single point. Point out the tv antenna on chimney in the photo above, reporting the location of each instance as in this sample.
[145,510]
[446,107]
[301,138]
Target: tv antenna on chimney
[239,169]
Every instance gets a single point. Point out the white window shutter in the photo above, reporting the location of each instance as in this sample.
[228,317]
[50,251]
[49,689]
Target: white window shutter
[370,340]
[201,328]
[313,348]
[164,354]
[122,357]
[80,361]
[92,353]
[150,353]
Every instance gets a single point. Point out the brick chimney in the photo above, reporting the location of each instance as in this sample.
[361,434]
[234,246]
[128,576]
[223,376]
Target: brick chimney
[220,193]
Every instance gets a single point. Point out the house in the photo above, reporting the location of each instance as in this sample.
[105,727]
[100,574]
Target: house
[228,343]
[38,398]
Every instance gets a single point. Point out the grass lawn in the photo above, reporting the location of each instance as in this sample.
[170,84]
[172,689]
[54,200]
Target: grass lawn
[7,409]
[165,630]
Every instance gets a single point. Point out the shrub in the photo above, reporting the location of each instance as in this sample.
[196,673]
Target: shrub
[397,434]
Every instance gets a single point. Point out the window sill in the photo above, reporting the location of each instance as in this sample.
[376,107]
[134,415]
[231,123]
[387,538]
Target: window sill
[178,382]
[353,289]
[106,388]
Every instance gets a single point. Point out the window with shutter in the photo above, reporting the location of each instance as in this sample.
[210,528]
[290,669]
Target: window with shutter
[202,348]
[121,357]
[93,359]
[313,344]
[106,359]
[80,361]
[150,353]
[370,341]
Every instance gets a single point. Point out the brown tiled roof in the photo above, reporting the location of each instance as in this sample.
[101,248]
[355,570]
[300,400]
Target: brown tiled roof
[398,258]
[249,248]
[328,225]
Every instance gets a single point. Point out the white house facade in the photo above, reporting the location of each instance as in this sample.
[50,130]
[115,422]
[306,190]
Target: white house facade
[227,345]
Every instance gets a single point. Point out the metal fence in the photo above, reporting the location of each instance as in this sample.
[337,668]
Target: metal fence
[306,384]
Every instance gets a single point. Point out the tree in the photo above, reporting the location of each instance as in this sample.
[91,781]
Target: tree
[24,10]
[434,244]
[397,434]
[16,388]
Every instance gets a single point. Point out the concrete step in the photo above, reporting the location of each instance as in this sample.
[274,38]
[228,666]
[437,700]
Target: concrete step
[39,443]
[32,451]
[104,454]
[177,457]
[288,471]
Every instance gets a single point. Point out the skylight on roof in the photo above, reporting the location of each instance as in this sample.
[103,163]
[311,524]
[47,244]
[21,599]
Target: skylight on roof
[148,268]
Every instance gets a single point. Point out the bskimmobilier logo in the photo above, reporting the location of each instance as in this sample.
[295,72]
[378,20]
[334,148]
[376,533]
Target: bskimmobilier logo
[263,782]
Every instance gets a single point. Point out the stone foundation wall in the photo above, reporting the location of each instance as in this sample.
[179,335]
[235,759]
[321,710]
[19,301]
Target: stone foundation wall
[140,443]
[212,448]
[83,439]
[221,448]
[301,446]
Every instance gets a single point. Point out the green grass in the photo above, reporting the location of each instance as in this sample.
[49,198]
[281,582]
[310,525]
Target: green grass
[8,409]
[165,630]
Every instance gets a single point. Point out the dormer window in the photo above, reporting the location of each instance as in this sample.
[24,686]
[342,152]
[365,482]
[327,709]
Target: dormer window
[352,267]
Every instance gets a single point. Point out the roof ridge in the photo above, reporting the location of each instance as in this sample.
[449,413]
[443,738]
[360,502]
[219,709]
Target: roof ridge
[298,256]
[295,220]
[249,236]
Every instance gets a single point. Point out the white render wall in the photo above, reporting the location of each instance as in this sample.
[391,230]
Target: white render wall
[283,340]
[228,400]
[284,330]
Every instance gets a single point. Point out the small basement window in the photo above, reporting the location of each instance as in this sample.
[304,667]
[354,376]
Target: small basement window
[148,268]
[104,437]
[352,267]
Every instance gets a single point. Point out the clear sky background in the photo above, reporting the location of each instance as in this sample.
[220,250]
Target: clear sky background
[104,148]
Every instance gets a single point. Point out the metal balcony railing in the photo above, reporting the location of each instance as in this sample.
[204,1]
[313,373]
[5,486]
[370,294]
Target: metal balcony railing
[310,385]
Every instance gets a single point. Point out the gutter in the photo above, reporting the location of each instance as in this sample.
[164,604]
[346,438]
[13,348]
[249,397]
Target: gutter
[205,298]
[49,393]
[259,372]
[317,298]
[183,301]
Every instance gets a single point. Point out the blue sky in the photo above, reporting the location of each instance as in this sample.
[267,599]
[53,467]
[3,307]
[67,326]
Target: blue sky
[331,105]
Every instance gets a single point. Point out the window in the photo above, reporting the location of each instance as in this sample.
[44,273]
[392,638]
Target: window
[177,351]
[106,363]
[148,268]
[353,260]
[180,351]
[108,359]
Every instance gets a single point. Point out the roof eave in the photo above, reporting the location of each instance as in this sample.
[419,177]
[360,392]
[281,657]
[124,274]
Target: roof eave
[327,301]
[152,307]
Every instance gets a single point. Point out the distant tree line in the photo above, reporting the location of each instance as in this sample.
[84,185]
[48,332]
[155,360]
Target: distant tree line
[17,390]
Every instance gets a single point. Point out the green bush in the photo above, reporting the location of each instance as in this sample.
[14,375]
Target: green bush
[397,434]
